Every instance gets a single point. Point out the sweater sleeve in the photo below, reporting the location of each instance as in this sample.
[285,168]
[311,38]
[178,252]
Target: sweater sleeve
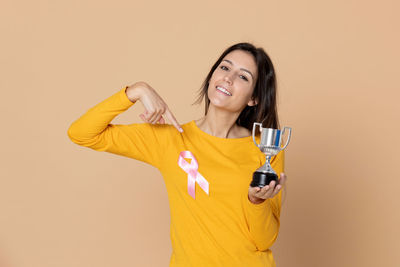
[263,219]
[141,141]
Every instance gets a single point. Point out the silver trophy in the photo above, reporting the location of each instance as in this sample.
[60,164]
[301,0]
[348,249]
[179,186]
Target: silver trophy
[270,145]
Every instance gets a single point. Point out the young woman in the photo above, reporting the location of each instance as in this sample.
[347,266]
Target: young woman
[217,219]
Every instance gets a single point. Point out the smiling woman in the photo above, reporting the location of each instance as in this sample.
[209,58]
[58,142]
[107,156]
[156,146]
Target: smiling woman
[251,72]
[221,221]
[234,81]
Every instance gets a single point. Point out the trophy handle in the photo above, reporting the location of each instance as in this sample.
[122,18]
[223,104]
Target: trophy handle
[254,130]
[290,133]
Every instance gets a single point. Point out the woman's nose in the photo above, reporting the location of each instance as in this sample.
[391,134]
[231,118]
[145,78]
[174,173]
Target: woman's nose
[228,78]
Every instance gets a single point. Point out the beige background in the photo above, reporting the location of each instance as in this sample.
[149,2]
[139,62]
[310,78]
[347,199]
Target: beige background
[338,69]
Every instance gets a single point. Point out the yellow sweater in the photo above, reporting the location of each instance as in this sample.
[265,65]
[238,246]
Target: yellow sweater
[221,228]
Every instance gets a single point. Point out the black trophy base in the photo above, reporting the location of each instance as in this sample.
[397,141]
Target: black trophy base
[262,179]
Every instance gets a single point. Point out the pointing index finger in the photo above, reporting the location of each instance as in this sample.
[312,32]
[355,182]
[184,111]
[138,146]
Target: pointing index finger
[172,118]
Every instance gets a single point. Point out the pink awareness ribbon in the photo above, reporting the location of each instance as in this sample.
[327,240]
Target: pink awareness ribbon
[193,175]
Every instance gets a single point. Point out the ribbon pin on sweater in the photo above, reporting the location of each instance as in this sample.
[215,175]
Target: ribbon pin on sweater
[193,175]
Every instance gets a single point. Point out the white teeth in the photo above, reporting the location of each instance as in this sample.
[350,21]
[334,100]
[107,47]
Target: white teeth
[223,90]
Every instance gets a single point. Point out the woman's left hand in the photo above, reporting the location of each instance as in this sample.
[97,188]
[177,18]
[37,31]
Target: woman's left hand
[258,195]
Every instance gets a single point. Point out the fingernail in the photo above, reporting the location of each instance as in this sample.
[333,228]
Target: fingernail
[181,130]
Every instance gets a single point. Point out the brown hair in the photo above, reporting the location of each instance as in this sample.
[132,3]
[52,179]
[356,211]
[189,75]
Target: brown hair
[265,90]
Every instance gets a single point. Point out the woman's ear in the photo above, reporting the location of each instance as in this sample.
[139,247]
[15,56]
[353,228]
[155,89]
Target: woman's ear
[252,102]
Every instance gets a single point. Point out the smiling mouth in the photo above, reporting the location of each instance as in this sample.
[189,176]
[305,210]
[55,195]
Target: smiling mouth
[223,90]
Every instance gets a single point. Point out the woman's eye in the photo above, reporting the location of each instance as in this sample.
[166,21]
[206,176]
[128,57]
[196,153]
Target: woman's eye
[241,76]
[244,77]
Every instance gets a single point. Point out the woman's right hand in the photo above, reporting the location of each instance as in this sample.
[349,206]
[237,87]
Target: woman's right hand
[155,107]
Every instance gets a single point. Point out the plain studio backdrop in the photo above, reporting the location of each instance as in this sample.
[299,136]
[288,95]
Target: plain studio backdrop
[337,65]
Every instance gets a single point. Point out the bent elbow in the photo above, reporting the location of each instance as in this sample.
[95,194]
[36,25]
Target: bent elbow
[71,134]
[265,244]
[76,137]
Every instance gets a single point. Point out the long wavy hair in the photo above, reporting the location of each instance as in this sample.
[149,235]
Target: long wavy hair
[265,91]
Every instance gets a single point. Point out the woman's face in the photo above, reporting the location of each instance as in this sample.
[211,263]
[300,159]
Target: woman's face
[237,74]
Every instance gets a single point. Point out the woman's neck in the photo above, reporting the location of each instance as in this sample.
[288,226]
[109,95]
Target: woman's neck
[222,124]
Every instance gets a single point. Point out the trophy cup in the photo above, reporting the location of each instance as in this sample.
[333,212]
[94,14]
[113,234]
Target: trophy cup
[270,145]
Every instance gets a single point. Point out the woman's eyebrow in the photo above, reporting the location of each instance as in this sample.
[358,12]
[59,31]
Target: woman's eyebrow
[240,68]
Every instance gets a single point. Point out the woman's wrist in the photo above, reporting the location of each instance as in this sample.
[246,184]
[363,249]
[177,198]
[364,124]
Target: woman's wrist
[255,200]
[133,91]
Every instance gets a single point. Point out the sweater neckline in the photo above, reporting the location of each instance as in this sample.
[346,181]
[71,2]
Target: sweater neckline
[220,139]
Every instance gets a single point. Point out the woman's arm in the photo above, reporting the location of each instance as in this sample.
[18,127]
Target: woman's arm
[141,141]
[263,216]
[154,105]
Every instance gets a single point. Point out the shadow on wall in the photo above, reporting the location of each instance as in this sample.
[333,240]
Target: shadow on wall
[322,202]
